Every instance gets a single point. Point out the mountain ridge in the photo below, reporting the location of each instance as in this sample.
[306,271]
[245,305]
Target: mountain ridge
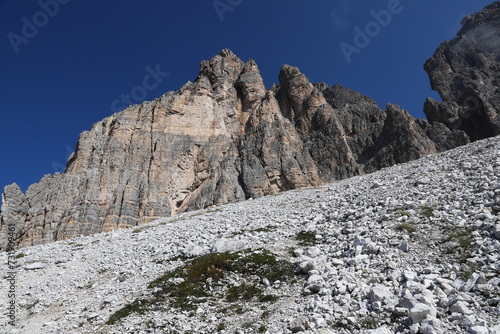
[225,138]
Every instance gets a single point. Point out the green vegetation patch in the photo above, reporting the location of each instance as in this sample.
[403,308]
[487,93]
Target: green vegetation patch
[369,323]
[268,228]
[427,211]
[410,228]
[306,238]
[262,329]
[244,291]
[460,244]
[402,212]
[139,306]
[141,228]
[192,284]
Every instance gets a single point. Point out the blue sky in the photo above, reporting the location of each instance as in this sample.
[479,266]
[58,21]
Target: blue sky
[67,66]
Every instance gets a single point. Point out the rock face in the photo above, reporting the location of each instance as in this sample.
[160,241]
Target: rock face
[226,138]
[465,73]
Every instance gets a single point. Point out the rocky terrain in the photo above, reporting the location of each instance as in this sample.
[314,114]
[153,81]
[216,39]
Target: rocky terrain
[413,248]
[225,138]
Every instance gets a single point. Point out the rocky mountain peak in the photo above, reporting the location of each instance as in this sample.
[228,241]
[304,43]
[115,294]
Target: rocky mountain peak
[295,91]
[489,16]
[251,86]
[222,70]
[464,71]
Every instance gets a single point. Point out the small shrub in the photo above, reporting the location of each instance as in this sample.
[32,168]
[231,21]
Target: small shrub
[406,227]
[262,329]
[369,323]
[306,238]
[238,309]
[468,270]
[20,255]
[403,212]
[138,306]
[460,244]
[268,228]
[265,314]
[247,325]
[268,299]
[427,211]
[341,324]
[186,287]
[265,265]
[244,292]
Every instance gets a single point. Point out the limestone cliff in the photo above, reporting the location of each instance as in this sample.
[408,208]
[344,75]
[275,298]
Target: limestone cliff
[465,72]
[225,138]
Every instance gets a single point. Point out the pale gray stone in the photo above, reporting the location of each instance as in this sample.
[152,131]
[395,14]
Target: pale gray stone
[479,330]
[227,245]
[460,307]
[383,294]
[381,330]
[420,311]
[404,246]
[469,285]
[299,325]
[315,283]
[35,266]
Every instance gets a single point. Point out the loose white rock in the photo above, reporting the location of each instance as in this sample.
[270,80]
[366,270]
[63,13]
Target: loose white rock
[35,266]
[420,311]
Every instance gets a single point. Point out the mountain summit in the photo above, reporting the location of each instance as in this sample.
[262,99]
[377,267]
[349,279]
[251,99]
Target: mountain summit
[225,138]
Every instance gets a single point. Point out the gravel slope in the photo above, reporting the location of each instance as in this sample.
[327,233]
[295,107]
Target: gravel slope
[409,249]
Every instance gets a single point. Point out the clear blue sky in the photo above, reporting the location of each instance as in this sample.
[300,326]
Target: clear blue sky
[58,80]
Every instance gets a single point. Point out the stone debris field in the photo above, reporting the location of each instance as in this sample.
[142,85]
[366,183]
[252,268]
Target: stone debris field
[413,248]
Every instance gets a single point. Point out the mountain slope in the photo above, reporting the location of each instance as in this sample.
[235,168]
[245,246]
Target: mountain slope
[378,251]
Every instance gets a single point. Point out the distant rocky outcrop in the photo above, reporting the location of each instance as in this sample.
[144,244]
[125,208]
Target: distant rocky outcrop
[225,138]
[465,72]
